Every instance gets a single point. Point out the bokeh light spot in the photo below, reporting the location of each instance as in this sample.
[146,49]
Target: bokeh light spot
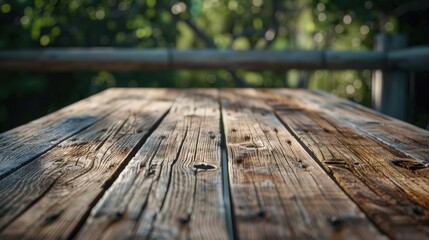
[44,40]
[347,19]
[5,8]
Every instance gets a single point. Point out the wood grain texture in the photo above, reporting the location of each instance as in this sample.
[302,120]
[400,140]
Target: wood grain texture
[398,135]
[278,191]
[391,187]
[23,144]
[47,198]
[172,188]
[151,164]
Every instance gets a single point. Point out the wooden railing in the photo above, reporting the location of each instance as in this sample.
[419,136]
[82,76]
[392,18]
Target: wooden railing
[390,60]
[76,59]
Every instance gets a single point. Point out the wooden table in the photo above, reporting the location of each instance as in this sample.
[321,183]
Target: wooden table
[214,164]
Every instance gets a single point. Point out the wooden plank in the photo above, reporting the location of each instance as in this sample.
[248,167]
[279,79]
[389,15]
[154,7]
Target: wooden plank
[172,188]
[49,197]
[390,187]
[397,135]
[278,191]
[23,144]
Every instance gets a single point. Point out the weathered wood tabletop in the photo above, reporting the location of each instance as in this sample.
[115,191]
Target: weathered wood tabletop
[214,164]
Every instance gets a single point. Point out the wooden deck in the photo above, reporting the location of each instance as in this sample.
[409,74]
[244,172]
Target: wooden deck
[214,164]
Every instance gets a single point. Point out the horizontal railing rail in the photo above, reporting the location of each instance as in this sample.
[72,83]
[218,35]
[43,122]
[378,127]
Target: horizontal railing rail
[119,59]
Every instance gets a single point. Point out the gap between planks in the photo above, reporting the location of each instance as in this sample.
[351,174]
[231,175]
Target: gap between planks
[139,130]
[21,145]
[290,186]
[115,175]
[362,167]
[73,233]
[226,187]
[172,185]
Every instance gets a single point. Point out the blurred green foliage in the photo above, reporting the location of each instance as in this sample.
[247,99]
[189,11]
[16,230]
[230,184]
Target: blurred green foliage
[235,24]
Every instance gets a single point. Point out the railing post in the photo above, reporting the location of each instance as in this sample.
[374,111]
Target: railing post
[390,88]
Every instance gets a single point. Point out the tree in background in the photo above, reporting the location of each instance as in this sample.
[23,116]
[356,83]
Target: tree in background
[236,24]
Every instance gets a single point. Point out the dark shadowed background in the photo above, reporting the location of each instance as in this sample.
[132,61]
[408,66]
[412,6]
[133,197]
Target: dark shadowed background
[193,24]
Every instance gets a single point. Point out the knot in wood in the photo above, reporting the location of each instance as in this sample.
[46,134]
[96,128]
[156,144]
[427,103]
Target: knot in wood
[204,166]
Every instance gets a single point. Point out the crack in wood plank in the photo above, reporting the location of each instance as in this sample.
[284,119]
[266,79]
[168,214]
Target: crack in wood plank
[87,163]
[279,181]
[390,187]
[163,195]
[234,164]
[24,144]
